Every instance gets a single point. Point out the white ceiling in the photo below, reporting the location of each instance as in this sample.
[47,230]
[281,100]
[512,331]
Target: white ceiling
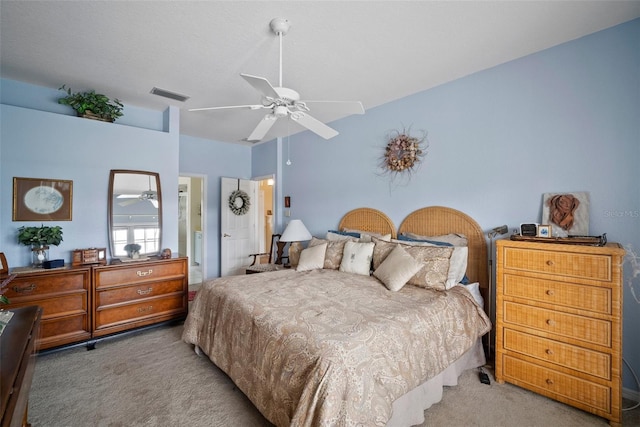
[371,51]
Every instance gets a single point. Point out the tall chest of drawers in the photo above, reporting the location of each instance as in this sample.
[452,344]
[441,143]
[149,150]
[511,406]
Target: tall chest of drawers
[559,323]
[130,295]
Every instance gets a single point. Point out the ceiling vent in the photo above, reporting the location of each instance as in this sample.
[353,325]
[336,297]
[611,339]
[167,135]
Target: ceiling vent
[168,94]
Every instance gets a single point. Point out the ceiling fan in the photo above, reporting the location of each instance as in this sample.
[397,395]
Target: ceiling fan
[283,102]
[150,196]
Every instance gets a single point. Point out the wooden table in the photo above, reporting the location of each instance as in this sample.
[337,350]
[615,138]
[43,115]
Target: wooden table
[18,346]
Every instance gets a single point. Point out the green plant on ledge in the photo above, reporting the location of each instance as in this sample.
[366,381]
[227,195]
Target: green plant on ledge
[40,236]
[92,105]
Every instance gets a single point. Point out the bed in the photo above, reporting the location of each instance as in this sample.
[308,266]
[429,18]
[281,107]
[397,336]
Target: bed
[327,346]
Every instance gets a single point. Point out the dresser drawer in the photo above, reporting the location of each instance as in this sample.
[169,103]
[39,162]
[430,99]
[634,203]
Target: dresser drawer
[581,393]
[573,357]
[578,265]
[581,328]
[38,285]
[114,295]
[582,297]
[150,308]
[64,330]
[61,305]
[138,273]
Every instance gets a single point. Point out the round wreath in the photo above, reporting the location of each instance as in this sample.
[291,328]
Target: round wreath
[244,198]
[403,152]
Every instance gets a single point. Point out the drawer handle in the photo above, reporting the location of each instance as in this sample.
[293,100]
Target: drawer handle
[144,273]
[144,292]
[549,381]
[145,309]
[32,287]
[551,322]
[551,292]
[550,263]
[549,352]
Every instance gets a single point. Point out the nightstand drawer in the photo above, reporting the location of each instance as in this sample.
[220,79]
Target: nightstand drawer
[131,293]
[581,328]
[581,393]
[573,357]
[582,297]
[579,265]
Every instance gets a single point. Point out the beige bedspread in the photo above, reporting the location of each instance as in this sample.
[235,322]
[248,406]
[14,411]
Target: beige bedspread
[325,348]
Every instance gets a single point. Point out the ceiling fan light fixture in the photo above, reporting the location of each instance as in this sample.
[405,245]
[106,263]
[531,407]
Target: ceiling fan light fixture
[280,111]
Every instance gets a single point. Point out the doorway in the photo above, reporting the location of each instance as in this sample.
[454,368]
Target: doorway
[191,222]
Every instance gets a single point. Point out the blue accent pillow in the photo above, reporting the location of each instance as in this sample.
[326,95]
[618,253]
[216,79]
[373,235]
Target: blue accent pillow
[345,233]
[433,242]
[465,280]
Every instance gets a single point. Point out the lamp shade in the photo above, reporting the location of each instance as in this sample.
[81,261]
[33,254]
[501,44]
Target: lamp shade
[295,232]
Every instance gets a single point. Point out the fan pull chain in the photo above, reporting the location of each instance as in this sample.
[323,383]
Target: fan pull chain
[288,136]
[280,37]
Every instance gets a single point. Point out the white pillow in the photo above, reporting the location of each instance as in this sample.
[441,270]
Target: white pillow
[397,268]
[365,236]
[312,258]
[357,257]
[474,290]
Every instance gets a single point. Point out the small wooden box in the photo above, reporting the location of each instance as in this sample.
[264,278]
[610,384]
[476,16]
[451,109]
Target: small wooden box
[89,256]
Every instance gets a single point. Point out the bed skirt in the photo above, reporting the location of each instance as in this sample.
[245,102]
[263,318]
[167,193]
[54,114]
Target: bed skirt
[408,410]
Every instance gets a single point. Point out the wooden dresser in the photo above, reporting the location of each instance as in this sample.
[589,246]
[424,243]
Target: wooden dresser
[63,294]
[18,345]
[559,323]
[134,294]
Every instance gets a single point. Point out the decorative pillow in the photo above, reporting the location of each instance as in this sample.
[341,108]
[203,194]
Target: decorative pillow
[356,258]
[312,258]
[333,235]
[435,260]
[397,268]
[365,236]
[457,263]
[333,256]
[451,238]
[404,238]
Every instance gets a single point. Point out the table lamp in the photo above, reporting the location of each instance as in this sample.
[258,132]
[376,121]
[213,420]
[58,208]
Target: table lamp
[295,232]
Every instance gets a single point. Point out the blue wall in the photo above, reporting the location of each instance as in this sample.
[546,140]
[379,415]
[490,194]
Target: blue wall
[215,160]
[565,119]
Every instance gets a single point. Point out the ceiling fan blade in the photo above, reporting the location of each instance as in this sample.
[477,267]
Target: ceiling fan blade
[338,107]
[313,124]
[129,202]
[261,85]
[248,107]
[263,127]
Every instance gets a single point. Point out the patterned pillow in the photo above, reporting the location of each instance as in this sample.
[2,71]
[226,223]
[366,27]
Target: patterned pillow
[357,258]
[452,238]
[333,255]
[397,269]
[435,260]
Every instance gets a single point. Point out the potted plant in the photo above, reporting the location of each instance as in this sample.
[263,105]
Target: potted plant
[92,105]
[39,238]
[133,249]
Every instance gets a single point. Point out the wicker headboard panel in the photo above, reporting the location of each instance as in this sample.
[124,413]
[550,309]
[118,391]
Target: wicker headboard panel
[368,219]
[437,220]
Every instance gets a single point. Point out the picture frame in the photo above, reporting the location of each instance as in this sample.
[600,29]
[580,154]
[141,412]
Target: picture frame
[567,212]
[4,267]
[544,230]
[42,199]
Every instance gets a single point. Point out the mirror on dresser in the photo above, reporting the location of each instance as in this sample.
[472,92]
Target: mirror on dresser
[135,213]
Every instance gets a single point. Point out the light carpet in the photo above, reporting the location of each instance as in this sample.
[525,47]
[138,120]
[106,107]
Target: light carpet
[153,378]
